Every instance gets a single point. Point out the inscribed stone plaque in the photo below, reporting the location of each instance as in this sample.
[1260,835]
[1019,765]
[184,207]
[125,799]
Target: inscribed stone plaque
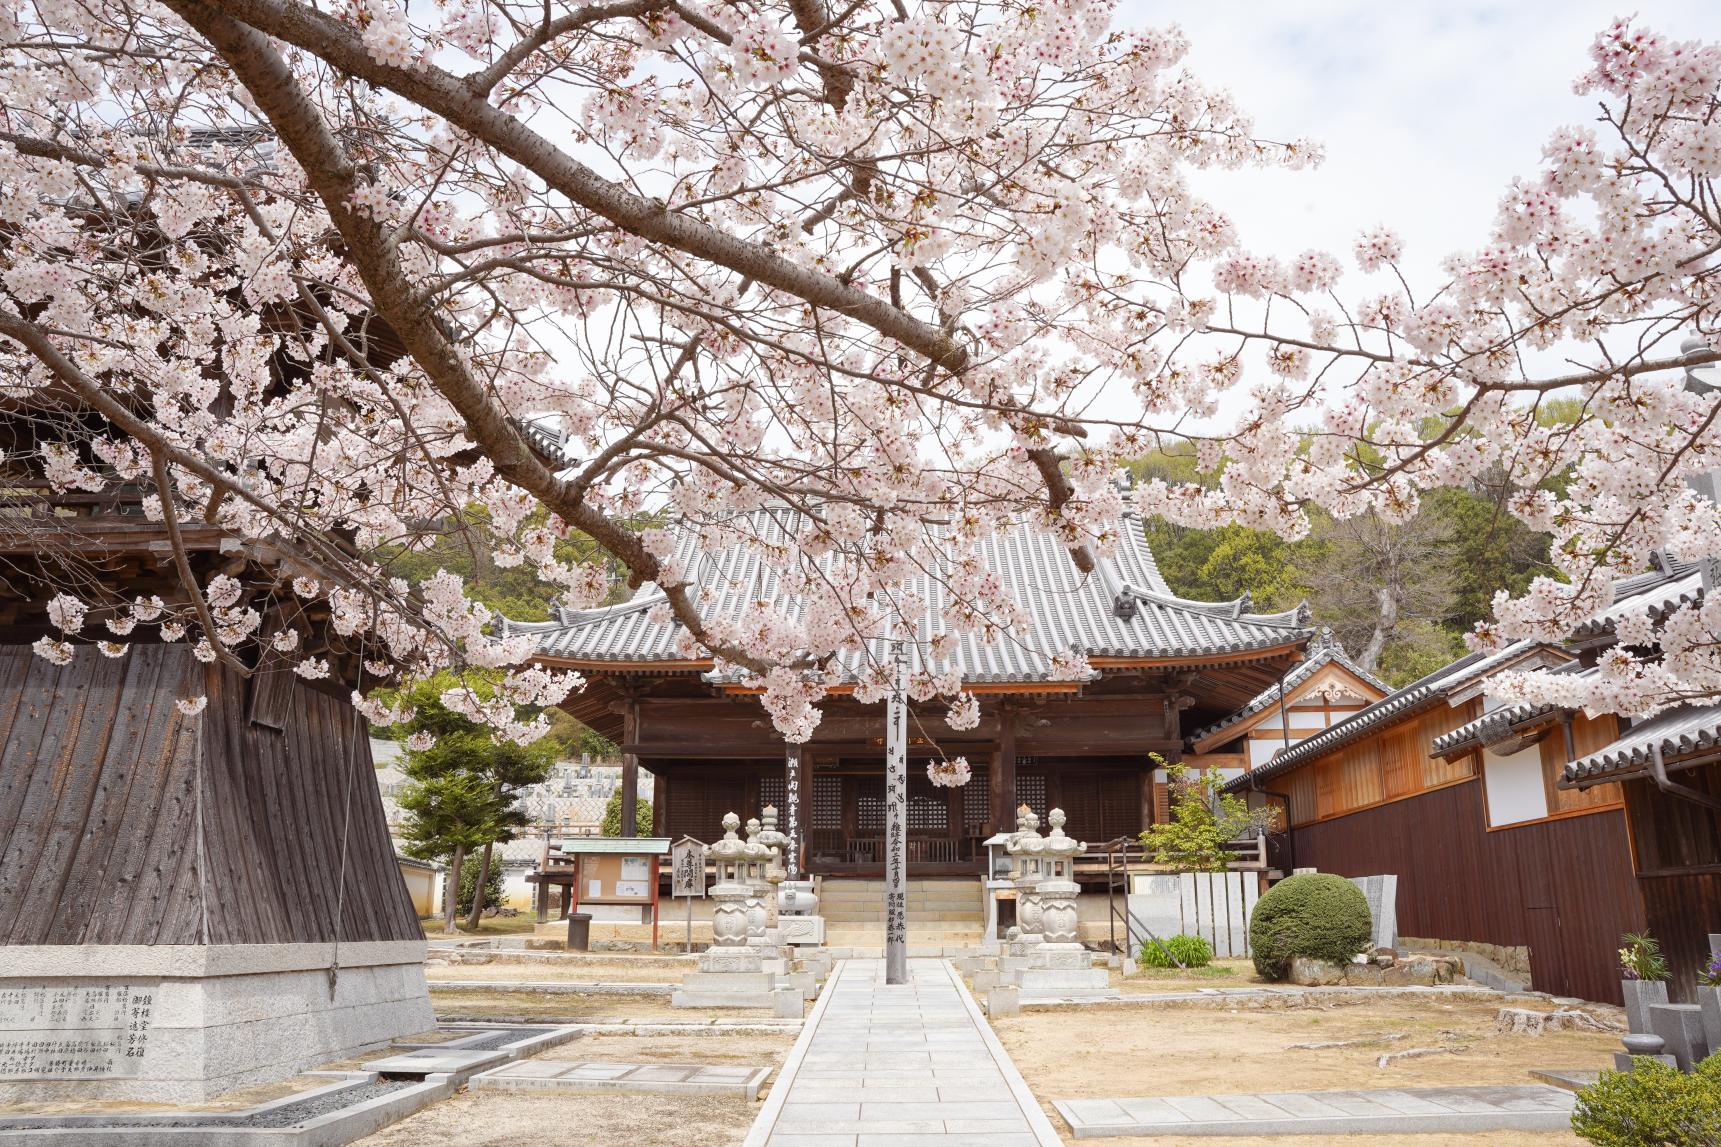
[1381,892]
[74,1031]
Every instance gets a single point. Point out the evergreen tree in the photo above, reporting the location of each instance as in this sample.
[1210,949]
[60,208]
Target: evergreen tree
[465,787]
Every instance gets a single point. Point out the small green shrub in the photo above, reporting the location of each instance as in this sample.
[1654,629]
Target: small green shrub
[1317,914]
[1652,1105]
[1190,951]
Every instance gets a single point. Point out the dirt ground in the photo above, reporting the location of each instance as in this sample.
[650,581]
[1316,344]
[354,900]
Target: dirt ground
[546,1007]
[505,1119]
[1110,1052]
[548,971]
[1106,1052]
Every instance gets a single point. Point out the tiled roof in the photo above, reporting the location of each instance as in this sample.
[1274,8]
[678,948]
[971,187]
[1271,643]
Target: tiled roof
[1123,609]
[1325,650]
[1496,724]
[1659,592]
[1418,694]
[1676,732]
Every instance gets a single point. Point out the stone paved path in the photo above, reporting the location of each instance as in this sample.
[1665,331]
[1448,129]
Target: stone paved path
[1406,1111]
[881,1065]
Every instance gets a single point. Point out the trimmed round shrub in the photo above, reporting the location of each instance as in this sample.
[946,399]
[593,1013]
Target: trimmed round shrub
[1317,915]
[1190,951]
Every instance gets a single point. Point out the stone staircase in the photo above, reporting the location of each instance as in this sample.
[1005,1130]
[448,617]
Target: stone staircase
[943,915]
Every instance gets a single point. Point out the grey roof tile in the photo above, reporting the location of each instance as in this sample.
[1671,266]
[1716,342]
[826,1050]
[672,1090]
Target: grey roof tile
[1676,732]
[1124,609]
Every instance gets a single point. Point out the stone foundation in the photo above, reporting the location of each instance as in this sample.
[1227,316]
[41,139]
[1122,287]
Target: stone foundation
[1511,959]
[182,1023]
[1411,971]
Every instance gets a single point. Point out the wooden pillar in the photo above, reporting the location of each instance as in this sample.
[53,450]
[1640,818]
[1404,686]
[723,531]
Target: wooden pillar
[1147,796]
[659,802]
[630,772]
[1003,773]
[792,810]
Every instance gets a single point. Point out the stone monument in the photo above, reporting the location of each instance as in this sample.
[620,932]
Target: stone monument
[732,973]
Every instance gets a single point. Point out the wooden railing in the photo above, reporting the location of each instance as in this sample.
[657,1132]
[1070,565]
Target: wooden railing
[831,846]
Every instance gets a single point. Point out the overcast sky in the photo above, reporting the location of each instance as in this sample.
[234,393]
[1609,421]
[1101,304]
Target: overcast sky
[1426,109]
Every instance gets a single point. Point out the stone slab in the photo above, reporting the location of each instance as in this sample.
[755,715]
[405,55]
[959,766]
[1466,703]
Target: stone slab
[656,1079]
[1402,1111]
[432,1062]
[1569,1078]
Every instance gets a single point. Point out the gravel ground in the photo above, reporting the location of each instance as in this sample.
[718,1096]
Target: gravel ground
[284,1116]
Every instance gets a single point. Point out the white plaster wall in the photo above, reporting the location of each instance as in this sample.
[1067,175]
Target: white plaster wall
[1514,785]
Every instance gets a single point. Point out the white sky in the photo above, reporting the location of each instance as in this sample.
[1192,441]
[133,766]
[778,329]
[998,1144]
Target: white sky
[1426,110]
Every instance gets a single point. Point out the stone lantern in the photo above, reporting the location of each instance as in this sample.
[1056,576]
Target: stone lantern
[1025,853]
[1052,964]
[775,873]
[732,888]
[758,884]
[732,973]
[1058,889]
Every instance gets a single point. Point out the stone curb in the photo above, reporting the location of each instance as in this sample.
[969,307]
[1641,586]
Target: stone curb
[336,1127]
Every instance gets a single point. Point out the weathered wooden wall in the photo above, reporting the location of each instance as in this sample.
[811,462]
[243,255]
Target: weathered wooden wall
[124,822]
[1678,844]
[1378,767]
[1563,888]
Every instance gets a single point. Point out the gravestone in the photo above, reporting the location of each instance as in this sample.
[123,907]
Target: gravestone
[1381,892]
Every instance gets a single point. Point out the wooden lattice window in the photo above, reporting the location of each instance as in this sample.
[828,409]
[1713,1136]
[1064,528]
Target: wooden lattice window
[827,801]
[1031,791]
[927,812]
[773,791]
[976,801]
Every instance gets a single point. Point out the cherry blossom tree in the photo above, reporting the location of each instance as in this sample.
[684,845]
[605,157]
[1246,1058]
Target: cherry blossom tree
[329,274]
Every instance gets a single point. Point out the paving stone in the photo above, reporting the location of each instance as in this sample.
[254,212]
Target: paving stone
[899,1065]
[1457,1110]
[648,1078]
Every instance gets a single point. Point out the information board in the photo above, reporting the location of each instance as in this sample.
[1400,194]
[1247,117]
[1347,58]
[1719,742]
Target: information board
[611,879]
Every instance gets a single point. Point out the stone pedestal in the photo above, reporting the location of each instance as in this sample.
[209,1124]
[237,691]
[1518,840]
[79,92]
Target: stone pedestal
[181,1023]
[802,930]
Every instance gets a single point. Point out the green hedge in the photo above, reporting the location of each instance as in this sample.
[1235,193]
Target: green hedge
[1190,951]
[1318,915]
[1652,1104]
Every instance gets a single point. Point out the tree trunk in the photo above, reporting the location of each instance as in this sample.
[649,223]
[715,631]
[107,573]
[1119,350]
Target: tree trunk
[451,894]
[478,890]
[1386,622]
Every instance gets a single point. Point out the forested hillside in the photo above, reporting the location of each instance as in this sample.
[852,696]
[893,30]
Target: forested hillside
[1400,597]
